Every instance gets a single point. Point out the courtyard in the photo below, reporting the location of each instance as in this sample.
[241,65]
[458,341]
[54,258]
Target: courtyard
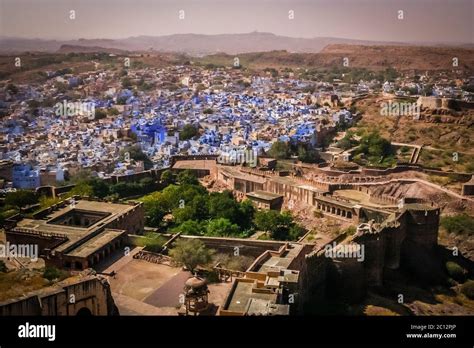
[143,288]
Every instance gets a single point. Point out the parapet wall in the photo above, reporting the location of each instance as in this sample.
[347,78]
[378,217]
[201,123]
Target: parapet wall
[176,158]
[133,221]
[246,247]
[152,173]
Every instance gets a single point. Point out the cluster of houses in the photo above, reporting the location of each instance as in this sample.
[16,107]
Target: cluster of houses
[88,121]
[51,130]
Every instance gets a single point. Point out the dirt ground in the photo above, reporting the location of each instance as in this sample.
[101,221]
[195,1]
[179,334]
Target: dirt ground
[145,288]
[138,278]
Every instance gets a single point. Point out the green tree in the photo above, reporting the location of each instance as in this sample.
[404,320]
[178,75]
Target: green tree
[200,206]
[52,273]
[191,253]
[284,223]
[191,227]
[427,90]
[279,150]
[187,177]
[46,202]
[223,205]
[156,206]
[137,154]
[113,112]
[375,147]
[125,189]
[99,188]
[347,142]
[266,220]
[390,74]
[167,178]
[307,155]
[280,225]
[295,232]
[185,194]
[83,189]
[126,83]
[222,228]
[21,198]
[246,213]
[188,132]
[122,100]
[100,114]
[183,214]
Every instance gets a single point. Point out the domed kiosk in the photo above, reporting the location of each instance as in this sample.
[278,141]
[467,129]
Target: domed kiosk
[196,295]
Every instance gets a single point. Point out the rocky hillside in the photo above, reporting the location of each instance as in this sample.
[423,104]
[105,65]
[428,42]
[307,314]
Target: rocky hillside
[369,57]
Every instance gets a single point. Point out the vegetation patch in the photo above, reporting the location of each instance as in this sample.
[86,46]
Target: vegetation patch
[461,224]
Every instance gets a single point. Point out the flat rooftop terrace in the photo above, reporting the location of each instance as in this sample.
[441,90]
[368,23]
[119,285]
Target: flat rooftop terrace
[74,233]
[237,174]
[243,294]
[280,262]
[267,196]
[195,164]
[95,243]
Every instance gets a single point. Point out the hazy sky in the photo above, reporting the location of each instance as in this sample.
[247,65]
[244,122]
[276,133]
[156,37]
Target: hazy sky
[424,20]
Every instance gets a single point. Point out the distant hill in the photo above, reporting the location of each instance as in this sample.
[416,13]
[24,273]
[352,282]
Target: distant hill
[193,44]
[88,49]
[403,57]
[360,56]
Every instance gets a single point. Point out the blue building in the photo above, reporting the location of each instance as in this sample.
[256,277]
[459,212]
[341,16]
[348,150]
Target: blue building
[25,177]
[151,132]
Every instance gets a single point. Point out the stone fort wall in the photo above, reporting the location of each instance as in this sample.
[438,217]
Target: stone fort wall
[324,277]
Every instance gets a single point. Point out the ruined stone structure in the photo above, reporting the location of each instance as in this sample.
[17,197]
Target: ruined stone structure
[85,294]
[436,103]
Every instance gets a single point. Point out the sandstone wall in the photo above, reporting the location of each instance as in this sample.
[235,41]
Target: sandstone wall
[89,296]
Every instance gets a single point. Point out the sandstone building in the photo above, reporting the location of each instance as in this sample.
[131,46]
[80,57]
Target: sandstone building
[84,294]
[79,235]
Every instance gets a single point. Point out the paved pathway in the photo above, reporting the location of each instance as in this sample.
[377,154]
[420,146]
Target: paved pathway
[131,306]
[168,294]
